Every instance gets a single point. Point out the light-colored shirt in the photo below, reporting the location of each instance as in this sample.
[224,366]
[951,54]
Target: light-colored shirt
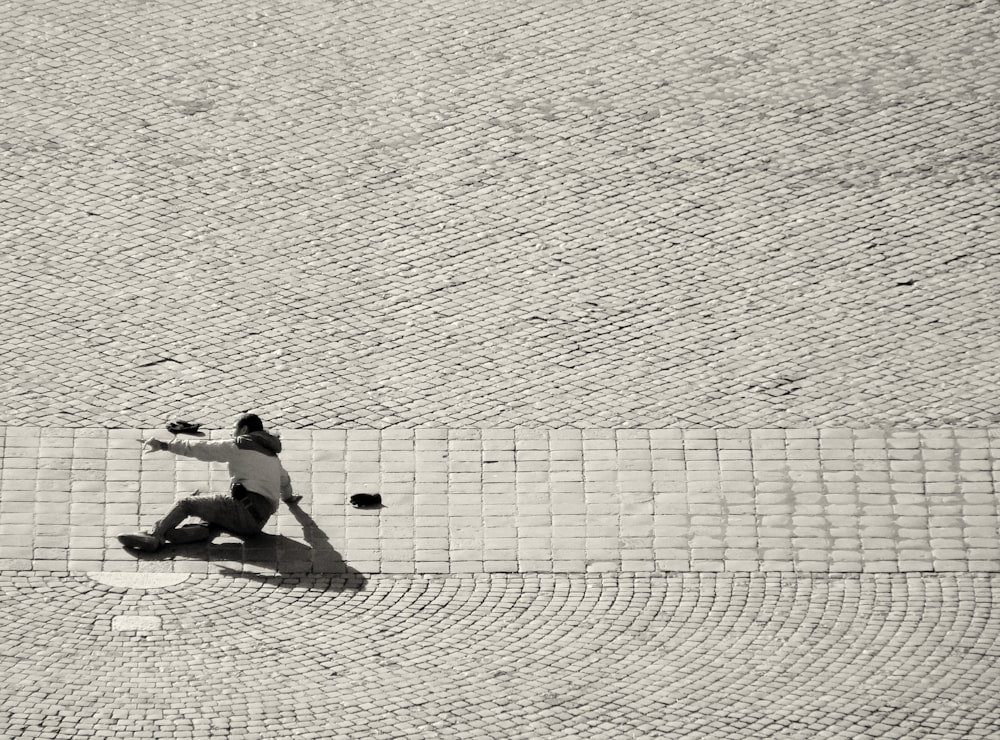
[257,471]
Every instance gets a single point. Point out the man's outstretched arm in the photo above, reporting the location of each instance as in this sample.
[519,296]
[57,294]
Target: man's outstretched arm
[208,451]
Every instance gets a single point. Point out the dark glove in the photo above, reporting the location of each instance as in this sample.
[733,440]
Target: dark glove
[179,426]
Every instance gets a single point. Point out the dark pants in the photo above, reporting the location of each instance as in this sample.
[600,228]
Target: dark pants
[244,513]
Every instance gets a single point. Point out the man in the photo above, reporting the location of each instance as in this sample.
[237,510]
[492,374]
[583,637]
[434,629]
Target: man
[257,483]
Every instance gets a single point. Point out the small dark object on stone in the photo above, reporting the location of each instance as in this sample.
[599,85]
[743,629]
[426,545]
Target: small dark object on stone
[179,426]
[366,501]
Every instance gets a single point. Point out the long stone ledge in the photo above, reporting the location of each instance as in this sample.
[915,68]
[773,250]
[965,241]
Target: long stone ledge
[833,500]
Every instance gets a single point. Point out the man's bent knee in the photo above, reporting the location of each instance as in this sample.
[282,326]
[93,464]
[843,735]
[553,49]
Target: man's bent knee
[187,505]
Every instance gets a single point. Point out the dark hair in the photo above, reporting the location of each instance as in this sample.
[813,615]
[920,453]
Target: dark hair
[252,423]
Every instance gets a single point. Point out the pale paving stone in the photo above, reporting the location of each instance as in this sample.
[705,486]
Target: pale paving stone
[701,522]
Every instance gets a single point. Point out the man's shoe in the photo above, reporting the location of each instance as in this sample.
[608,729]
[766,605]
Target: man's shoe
[190,533]
[143,542]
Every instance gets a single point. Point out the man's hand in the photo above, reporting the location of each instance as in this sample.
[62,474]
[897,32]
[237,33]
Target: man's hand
[155,445]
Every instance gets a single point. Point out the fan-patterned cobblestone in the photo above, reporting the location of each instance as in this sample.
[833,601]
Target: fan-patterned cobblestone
[503,656]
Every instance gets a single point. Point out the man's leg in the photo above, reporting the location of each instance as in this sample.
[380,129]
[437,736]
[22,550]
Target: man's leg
[219,512]
[193,532]
[164,530]
[180,511]
[222,512]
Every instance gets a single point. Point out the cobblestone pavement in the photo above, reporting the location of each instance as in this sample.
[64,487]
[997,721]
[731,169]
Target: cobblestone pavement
[503,656]
[666,330]
[615,213]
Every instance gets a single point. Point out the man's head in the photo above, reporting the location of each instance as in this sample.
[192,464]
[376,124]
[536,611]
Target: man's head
[247,424]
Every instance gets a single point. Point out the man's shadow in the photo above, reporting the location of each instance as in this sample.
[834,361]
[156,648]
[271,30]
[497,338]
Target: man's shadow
[283,556]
